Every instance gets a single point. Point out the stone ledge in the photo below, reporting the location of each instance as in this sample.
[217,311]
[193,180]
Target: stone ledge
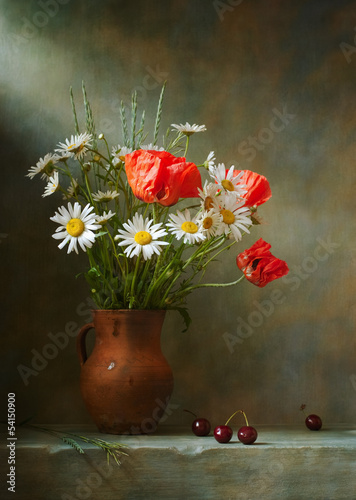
[286,462]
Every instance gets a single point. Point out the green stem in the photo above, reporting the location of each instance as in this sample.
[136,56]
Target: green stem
[186,147]
[155,213]
[220,251]
[115,253]
[99,154]
[143,277]
[156,284]
[93,264]
[111,449]
[203,249]
[87,183]
[238,411]
[137,265]
[217,285]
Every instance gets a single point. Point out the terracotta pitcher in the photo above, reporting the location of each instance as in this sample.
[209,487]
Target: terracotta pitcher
[126,381]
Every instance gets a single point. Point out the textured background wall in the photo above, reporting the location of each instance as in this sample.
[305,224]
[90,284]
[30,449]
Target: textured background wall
[234,66]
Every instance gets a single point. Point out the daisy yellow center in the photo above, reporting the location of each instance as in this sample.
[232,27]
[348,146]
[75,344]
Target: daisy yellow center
[208,203]
[228,185]
[77,149]
[189,227]
[75,227]
[207,223]
[143,238]
[228,216]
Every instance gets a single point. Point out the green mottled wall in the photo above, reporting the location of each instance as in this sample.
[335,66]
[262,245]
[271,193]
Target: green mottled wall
[232,65]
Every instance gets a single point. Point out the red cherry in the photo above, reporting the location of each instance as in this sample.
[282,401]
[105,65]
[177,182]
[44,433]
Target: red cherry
[223,433]
[247,434]
[201,427]
[313,422]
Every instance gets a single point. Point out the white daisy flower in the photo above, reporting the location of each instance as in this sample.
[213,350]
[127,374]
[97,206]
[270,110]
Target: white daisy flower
[208,194]
[52,186]
[64,157]
[141,236]
[210,161]
[45,166]
[72,189]
[235,217]
[102,219]
[227,181]
[186,227]
[118,154]
[77,145]
[210,222]
[102,197]
[76,226]
[152,147]
[189,129]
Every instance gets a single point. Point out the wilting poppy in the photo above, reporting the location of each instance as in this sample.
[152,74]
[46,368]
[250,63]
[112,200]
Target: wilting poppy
[158,176]
[259,265]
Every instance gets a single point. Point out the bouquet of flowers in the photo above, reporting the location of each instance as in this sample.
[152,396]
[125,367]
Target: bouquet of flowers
[148,225]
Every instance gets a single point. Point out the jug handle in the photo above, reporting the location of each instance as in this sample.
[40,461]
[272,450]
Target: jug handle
[81,347]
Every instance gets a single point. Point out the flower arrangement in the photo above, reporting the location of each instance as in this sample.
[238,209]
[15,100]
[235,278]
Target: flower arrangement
[148,225]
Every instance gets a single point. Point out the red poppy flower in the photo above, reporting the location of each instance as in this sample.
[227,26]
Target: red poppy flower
[259,265]
[159,176]
[258,188]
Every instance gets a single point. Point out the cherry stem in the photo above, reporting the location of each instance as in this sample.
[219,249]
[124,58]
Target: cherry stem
[238,411]
[302,409]
[194,415]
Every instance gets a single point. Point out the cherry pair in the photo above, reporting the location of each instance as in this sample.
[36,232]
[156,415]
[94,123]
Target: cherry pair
[224,433]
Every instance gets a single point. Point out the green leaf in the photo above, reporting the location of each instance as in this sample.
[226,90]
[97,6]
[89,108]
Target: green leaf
[73,444]
[94,272]
[124,124]
[102,177]
[101,233]
[89,116]
[74,112]
[159,114]
[140,132]
[183,311]
[133,119]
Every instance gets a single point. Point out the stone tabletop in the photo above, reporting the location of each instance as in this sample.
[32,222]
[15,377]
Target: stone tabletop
[285,462]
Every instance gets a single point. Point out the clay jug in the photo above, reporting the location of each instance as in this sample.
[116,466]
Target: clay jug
[126,382]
